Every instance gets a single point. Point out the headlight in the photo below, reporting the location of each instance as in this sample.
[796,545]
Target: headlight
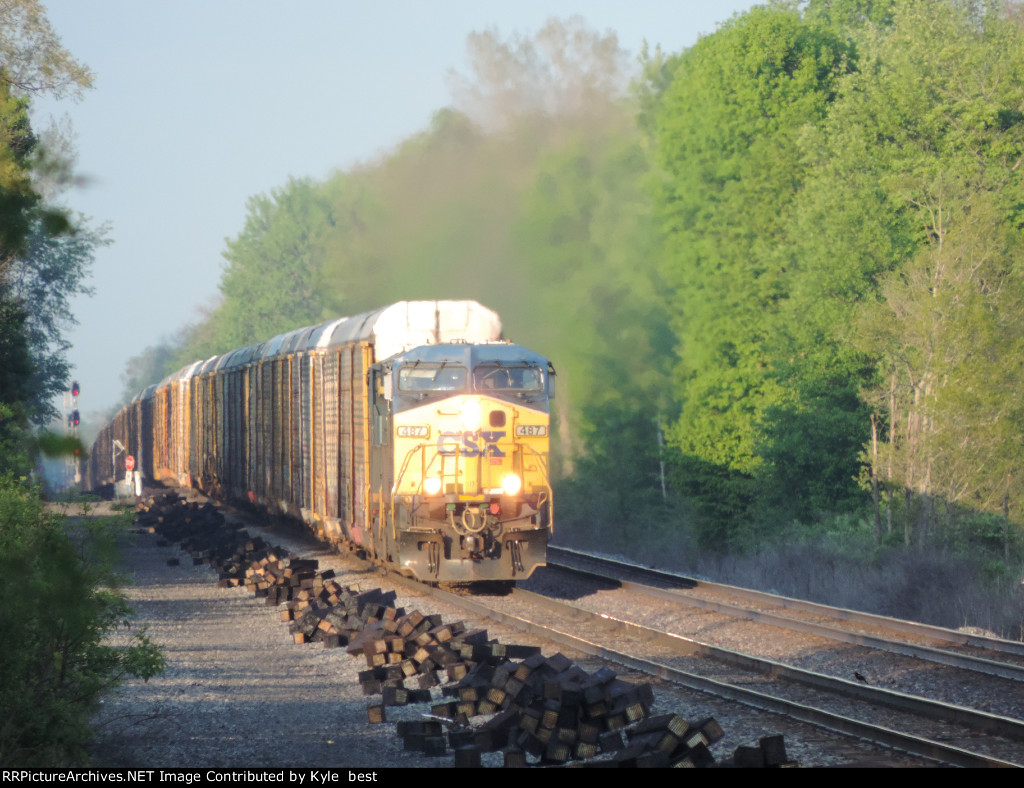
[471,413]
[432,485]
[511,484]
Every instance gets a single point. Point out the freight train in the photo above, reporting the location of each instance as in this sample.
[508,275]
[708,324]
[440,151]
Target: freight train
[414,434]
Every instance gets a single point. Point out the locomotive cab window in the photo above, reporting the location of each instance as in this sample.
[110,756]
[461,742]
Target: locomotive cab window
[425,378]
[516,378]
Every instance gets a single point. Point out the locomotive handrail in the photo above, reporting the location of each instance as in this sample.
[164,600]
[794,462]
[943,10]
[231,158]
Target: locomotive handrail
[543,461]
[547,481]
[401,475]
[405,466]
[394,487]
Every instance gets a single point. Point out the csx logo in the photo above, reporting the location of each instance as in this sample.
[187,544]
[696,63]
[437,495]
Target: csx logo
[481,443]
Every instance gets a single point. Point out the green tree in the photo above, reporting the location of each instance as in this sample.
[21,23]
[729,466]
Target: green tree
[16,371]
[727,136]
[272,280]
[921,192]
[49,272]
[851,16]
[58,591]
[42,260]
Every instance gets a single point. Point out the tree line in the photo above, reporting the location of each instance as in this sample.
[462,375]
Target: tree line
[58,583]
[842,210]
[777,272]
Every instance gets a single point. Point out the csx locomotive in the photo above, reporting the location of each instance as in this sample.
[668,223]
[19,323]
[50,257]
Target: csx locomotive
[413,433]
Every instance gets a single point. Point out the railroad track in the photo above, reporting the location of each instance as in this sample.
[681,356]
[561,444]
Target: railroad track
[763,600]
[987,656]
[976,739]
[907,724]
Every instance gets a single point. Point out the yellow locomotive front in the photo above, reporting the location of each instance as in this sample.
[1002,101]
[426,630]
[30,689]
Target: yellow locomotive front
[460,459]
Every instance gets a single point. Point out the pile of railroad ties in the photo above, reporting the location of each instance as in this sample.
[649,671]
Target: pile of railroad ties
[484,696]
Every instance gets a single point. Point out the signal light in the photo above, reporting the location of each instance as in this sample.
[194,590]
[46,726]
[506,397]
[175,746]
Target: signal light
[74,417]
[75,389]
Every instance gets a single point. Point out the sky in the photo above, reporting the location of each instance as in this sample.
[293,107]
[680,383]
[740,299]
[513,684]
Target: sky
[199,105]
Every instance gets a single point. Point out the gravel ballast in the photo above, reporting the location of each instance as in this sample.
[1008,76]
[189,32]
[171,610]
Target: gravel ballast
[237,692]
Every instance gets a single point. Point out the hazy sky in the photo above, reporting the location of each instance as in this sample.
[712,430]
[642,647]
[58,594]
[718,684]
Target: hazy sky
[200,104]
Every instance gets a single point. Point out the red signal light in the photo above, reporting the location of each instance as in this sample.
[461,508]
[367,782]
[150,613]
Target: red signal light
[75,389]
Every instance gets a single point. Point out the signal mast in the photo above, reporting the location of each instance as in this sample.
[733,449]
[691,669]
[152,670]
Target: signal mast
[73,421]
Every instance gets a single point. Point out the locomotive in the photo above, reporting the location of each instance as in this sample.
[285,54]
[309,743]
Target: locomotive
[414,433]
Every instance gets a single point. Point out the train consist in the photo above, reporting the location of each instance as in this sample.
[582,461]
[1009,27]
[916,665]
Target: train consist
[413,433]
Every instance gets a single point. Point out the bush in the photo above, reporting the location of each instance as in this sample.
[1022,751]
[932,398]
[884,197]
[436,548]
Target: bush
[59,602]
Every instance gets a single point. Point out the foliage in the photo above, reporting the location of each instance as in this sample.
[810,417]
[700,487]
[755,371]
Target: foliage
[43,257]
[840,194]
[727,130]
[262,297]
[60,602]
[52,444]
[44,277]
[148,367]
[32,59]
[940,108]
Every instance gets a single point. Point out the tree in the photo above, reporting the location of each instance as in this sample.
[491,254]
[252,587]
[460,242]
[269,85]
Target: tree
[32,59]
[727,137]
[150,366]
[565,69]
[51,270]
[926,146]
[272,279]
[42,260]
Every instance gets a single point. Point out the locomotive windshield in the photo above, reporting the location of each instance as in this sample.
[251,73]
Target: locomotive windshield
[437,372]
[491,377]
[416,378]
